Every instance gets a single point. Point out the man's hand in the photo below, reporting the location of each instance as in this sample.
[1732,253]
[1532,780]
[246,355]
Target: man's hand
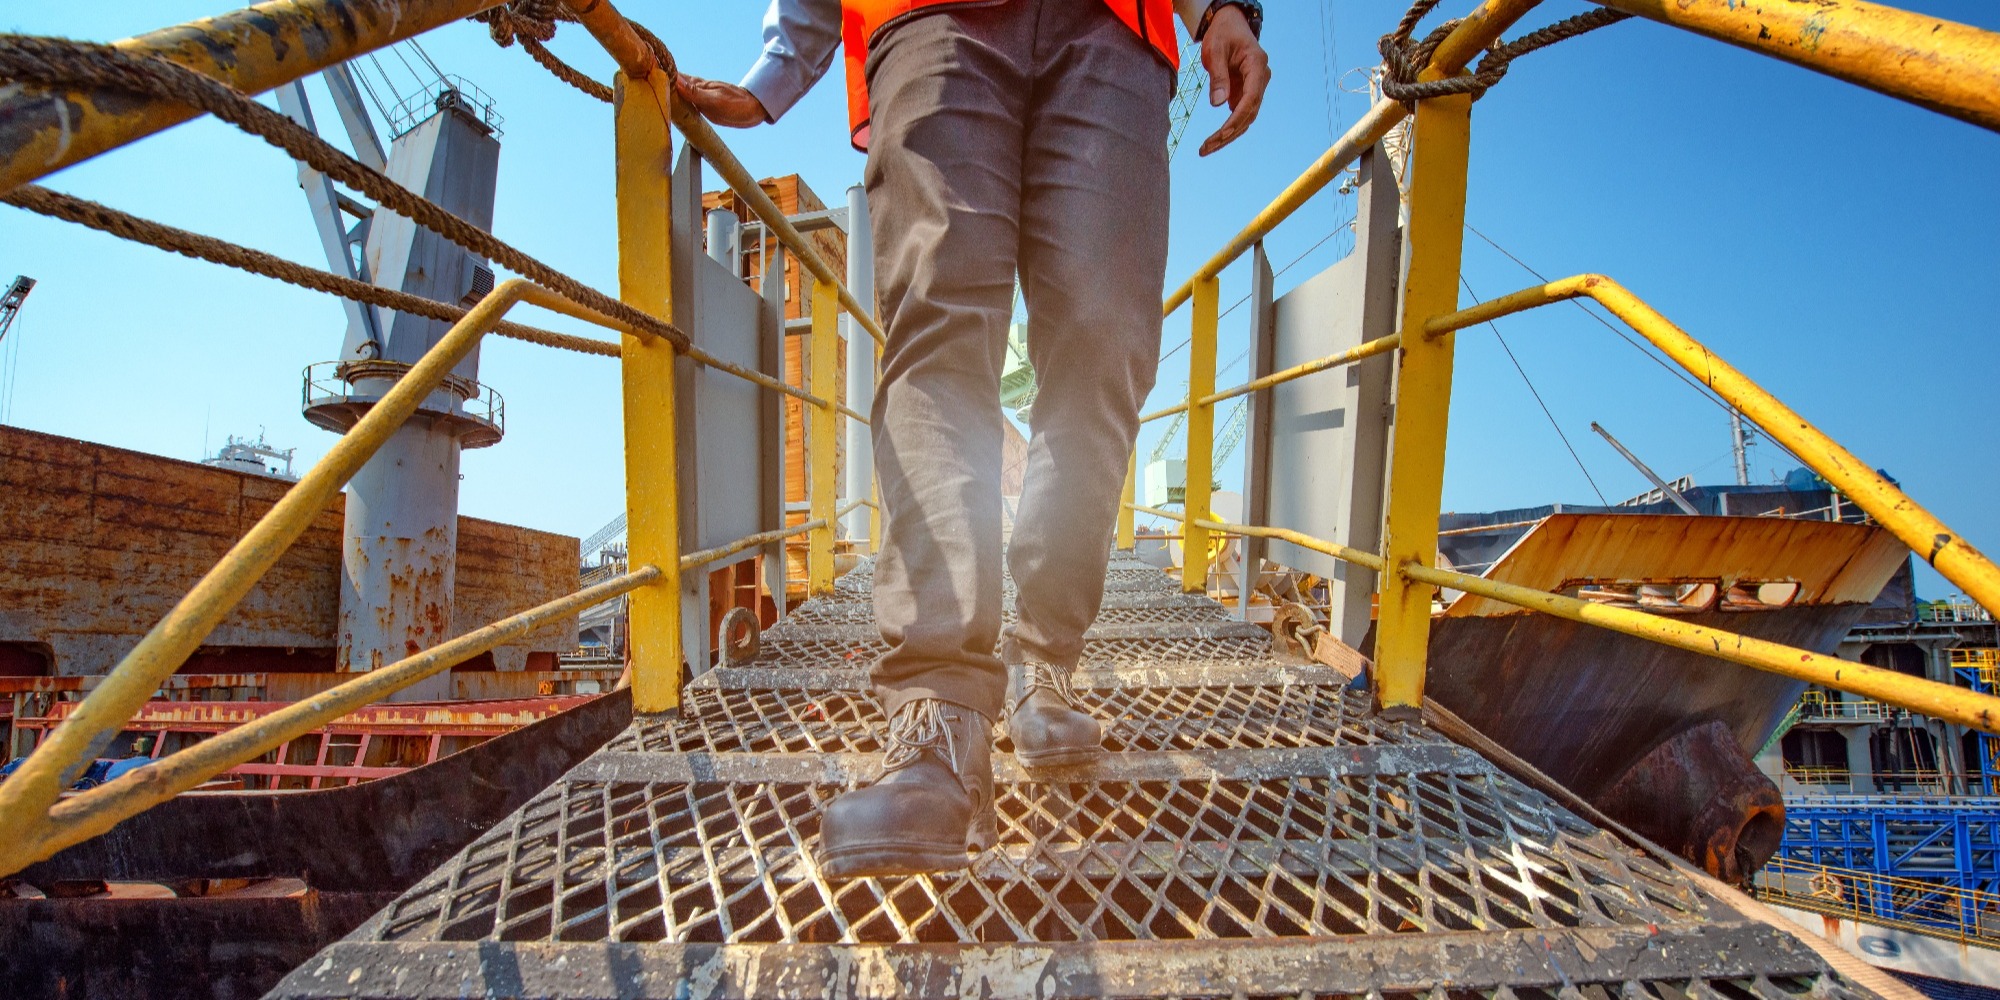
[723,103]
[1238,72]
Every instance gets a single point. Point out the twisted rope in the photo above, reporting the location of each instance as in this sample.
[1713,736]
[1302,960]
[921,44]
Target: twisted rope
[533,23]
[62,63]
[1405,60]
[105,219]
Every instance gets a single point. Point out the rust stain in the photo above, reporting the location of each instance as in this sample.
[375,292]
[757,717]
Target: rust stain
[1832,563]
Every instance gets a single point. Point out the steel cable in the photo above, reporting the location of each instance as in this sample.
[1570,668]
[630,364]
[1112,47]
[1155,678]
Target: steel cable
[105,219]
[63,63]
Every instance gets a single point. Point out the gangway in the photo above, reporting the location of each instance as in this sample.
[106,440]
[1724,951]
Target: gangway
[1262,830]
[1257,831]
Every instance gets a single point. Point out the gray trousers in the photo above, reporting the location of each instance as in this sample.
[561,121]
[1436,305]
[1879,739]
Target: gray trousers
[1026,135]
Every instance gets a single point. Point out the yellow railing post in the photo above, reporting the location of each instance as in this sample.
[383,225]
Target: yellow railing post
[644,157]
[1200,435]
[1423,399]
[821,427]
[1126,541]
[875,482]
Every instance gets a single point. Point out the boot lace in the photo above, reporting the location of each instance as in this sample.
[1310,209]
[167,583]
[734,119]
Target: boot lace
[1051,678]
[921,726]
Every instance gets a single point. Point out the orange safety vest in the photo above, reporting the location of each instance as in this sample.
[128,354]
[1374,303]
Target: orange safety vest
[860,20]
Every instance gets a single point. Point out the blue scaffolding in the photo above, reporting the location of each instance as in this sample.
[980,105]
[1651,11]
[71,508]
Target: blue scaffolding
[1932,861]
[1979,669]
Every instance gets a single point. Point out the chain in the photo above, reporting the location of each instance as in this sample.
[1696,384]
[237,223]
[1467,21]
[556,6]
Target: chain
[105,219]
[1405,59]
[61,63]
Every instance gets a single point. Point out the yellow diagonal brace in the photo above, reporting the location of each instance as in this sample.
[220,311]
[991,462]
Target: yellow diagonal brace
[1939,701]
[1930,538]
[26,796]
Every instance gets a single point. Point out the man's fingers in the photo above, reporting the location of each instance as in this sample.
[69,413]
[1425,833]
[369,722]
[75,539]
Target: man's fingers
[1249,75]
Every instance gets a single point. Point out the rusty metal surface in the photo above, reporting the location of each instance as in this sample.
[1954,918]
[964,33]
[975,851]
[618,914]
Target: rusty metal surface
[1506,965]
[378,836]
[101,541]
[1587,705]
[1700,795]
[455,718]
[1584,704]
[168,949]
[1833,563]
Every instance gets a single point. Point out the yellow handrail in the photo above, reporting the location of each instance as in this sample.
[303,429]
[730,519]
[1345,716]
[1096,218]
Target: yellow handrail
[1926,535]
[85,815]
[1950,68]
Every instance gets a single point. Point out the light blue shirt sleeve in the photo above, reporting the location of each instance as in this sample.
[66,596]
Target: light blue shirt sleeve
[800,39]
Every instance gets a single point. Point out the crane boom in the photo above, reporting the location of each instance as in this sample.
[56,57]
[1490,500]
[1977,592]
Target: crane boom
[10,303]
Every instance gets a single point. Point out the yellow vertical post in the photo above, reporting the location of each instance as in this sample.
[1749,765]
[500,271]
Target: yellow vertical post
[644,160]
[1126,540]
[821,426]
[875,482]
[1200,435]
[1423,398]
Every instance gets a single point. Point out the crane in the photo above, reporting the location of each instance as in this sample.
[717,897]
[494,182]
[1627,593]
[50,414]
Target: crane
[10,303]
[10,307]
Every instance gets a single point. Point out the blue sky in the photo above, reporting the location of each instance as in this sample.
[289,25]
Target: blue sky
[1836,245]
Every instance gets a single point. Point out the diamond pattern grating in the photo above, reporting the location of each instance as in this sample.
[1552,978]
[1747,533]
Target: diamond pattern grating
[1255,831]
[1169,859]
[1137,718]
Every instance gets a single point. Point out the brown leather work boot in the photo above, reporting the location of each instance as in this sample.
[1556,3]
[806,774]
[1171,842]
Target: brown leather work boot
[1048,727]
[931,807]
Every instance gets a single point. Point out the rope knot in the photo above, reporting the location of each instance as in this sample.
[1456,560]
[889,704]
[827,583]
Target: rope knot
[1404,60]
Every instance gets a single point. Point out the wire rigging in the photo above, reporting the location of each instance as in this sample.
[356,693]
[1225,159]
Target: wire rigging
[1538,397]
[1700,390]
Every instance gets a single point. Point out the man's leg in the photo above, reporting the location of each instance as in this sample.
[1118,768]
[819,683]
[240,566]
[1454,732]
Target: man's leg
[947,95]
[947,100]
[1093,265]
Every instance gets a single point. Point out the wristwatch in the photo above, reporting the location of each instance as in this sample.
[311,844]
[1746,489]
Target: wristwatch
[1252,12]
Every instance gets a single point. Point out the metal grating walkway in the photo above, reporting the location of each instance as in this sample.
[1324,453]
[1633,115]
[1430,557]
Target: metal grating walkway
[1256,833]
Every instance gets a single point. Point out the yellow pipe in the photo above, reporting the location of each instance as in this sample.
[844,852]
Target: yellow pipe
[1305,541]
[1126,540]
[53,766]
[821,430]
[1342,552]
[1939,701]
[252,50]
[1180,407]
[706,556]
[1200,434]
[1436,229]
[1918,528]
[615,34]
[641,160]
[81,817]
[874,481]
[1381,345]
[1474,33]
[1950,68]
